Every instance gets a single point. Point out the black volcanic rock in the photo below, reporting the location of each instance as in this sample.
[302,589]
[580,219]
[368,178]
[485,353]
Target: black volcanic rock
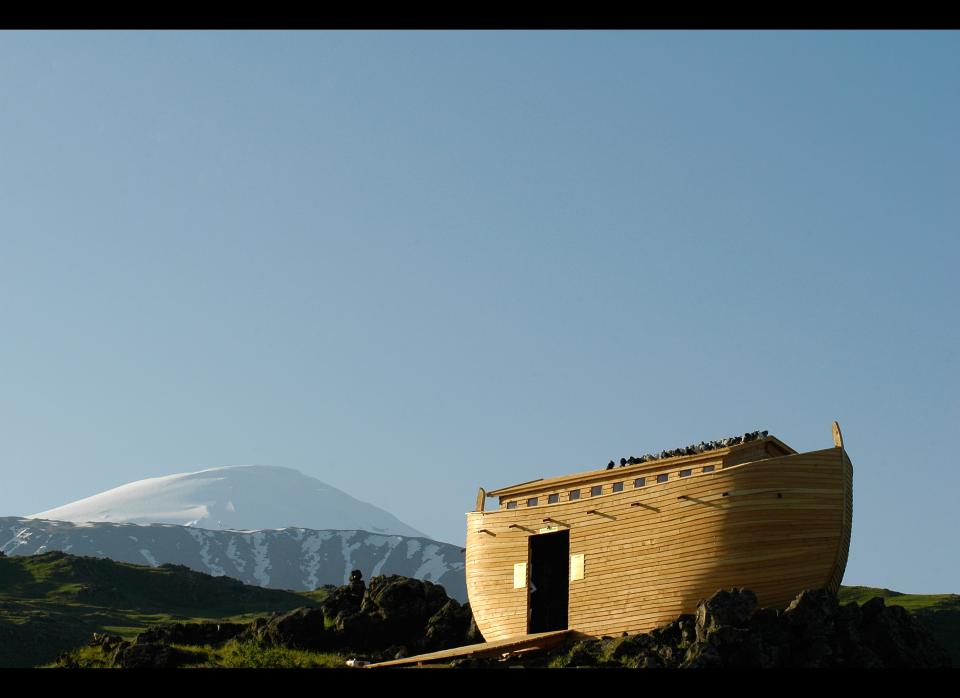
[302,628]
[192,633]
[394,610]
[152,655]
[399,617]
[898,639]
[390,616]
[347,599]
[725,608]
[449,627]
[728,630]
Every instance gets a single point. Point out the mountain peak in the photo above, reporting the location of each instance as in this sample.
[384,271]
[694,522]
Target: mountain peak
[239,497]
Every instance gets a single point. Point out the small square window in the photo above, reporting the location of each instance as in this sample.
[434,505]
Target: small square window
[640,482]
[708,468]
[662,478]
[511,505]
[575,494]
[595,490]
[618,487]
[532,502]
[686,473]
[553,499]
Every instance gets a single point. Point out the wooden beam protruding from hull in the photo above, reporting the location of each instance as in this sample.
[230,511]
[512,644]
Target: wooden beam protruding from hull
[837,436]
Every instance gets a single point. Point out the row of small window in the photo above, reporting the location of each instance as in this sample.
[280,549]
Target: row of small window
[598,489]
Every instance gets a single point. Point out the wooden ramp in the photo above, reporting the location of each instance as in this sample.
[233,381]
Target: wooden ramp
[510,645]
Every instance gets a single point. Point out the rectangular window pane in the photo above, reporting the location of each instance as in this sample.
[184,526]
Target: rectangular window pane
[708,468]
[553,499]
[595,490]
[575,495]
[511,505]
[532,502]
[640,482]
[686,473]
[618,487]
[662,478]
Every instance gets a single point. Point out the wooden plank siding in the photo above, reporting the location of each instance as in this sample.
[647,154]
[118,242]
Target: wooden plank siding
[782,526]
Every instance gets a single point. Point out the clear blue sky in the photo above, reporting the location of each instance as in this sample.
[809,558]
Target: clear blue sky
[412,264]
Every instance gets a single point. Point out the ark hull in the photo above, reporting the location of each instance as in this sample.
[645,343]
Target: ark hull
[777,525]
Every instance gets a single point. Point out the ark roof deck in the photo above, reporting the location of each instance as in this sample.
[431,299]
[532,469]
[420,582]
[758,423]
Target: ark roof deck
[759,449]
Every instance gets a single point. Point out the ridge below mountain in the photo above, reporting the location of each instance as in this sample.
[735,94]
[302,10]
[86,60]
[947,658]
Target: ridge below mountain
[291,558]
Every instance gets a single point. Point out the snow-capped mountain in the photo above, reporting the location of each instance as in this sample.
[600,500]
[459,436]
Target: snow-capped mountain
[291,558]
[241,497]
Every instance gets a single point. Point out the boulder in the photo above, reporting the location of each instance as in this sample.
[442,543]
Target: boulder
[301,628]
[729,630]
[448,627]
[346,599]
[153,655]
[810,618]
[396,611]
[898,639]
[193,633]
[104,640]
[725,608]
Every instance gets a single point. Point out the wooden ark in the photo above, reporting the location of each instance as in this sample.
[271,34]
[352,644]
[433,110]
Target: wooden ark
[644,543]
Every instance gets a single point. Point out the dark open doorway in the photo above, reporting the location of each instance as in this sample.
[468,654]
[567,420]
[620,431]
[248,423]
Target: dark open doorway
[549,581]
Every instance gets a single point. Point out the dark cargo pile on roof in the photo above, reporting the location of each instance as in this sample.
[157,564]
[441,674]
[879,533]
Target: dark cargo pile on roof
[692,449]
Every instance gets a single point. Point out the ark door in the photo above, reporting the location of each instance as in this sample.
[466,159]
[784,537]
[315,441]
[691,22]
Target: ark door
[549,589]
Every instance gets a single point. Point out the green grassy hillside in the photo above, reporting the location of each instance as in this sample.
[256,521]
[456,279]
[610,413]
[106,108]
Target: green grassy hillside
[940,613]
[55,601]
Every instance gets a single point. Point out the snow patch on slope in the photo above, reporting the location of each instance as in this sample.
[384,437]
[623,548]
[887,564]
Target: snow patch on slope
[347,551]
[311,562]
[203,538]
[392,544]
[261,558]
[433,566]
[232,554]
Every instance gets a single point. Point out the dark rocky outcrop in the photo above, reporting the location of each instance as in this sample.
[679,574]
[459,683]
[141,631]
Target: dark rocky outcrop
[729,630]
[400,611]
[346,599]
[394,617]
[152,655]
[192,633]
[391,617]
[451,626]
[302,628]
[107,642]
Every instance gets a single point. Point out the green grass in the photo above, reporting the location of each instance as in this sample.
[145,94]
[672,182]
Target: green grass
[911,602]
[53,602]
[232,655]
[318,595]
[248,654]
